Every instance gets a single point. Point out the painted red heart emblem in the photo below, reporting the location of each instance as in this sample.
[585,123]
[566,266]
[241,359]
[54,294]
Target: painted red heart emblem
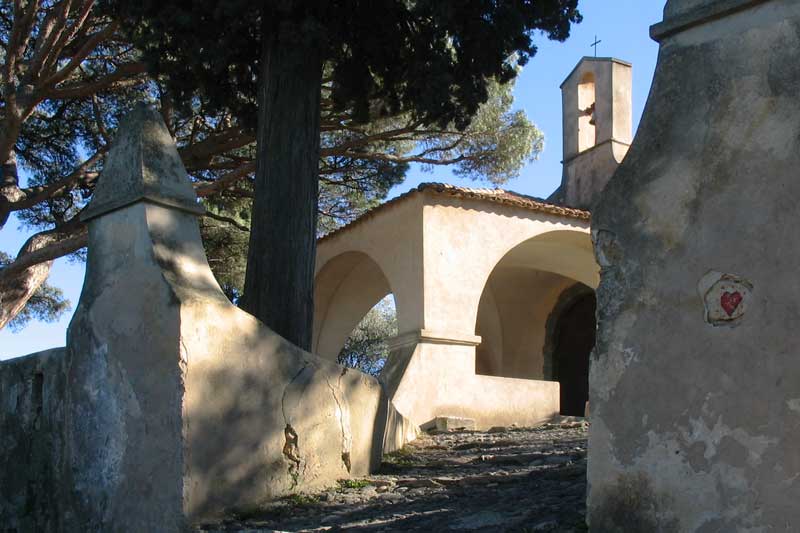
[730,301]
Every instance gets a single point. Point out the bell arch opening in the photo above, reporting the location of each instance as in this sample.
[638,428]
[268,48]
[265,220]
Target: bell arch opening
[587,128]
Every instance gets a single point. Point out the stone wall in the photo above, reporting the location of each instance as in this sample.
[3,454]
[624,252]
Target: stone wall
[169,405]
[694,383]
[31,439]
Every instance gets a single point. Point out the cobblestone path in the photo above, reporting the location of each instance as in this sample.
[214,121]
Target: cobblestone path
[504,480]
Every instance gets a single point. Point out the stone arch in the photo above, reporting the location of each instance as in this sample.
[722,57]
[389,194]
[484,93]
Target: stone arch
[519,295]
[345,289]
[567,252]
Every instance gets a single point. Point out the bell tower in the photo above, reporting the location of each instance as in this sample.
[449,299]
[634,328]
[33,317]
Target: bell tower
[597,127]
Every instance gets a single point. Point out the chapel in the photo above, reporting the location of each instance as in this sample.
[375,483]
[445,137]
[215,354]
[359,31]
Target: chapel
[494,290]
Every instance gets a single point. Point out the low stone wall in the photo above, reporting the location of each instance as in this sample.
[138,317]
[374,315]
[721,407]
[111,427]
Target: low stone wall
[31,440]
[429,380]
[499,401]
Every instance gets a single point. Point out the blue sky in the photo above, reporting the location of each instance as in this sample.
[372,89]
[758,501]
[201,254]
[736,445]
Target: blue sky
[621,25]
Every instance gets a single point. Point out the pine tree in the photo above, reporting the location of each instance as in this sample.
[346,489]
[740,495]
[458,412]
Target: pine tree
[434,60]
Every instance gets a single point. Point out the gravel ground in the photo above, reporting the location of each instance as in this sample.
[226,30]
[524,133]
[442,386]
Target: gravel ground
[506,479]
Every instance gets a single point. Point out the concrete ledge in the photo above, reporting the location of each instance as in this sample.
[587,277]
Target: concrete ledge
[698,16]
[432,337]
[448,423]
[496,401]
[611,141]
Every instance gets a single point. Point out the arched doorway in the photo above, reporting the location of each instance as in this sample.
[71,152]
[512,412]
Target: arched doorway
[573,337]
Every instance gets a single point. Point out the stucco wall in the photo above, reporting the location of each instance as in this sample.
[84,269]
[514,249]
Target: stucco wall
[346,288]
[587,170]
[455,243]
[31,439]
[440,380]
[393,240]
[694,385]
[585,175]
[466,239]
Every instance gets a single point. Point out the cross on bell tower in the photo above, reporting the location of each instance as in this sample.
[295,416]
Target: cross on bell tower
[594,44]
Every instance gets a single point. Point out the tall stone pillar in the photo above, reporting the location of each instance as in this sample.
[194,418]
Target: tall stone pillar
[695,379]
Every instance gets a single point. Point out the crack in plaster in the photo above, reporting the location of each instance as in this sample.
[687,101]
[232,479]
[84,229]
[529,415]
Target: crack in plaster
[183,377]
[291,450]
[291,446]
[286,390]
[341,414]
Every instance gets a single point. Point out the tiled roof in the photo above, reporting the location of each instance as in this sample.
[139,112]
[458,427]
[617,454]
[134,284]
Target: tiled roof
[498,196]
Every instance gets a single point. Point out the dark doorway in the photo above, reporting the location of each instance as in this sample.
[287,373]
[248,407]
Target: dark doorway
[574,336]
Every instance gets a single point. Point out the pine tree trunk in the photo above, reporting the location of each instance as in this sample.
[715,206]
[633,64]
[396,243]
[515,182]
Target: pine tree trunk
[22,278]
[279,283]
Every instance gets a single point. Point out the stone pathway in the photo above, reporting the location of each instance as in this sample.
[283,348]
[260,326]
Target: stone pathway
[507,479]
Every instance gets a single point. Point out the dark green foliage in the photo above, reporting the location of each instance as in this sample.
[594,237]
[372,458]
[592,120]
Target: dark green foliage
[225,241]
[399,80]
[433,58]
[365,348]
[266,61]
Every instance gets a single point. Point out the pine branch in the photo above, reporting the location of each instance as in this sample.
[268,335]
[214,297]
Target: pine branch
[47,246]
[227,220]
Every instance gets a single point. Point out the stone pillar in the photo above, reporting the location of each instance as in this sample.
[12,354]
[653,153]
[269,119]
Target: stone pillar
[695,380]
[124,431]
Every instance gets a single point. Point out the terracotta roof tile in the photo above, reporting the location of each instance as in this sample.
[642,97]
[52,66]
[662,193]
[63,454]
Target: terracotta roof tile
[498,196]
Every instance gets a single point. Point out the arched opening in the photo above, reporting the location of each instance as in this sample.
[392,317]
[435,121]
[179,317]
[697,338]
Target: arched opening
[511,316]
[366,348]
[520,295]
[587,129]
[345,290]
[570,330]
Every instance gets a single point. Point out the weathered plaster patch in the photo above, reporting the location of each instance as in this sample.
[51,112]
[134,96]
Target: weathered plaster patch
[706,470]
[605,372]
[291,450]
[606,248]
[631,504]
[665,203]
[712,437]
[668,466]
[726,298]
[111,400]
[794,405]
